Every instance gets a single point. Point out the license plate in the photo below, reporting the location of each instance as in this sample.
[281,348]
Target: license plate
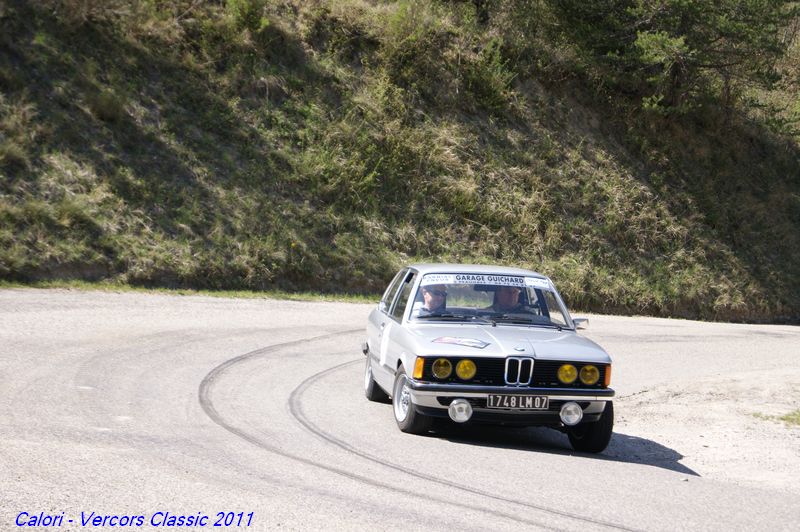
[519,402]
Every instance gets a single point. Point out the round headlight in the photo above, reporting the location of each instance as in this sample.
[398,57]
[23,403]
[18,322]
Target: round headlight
[441,368]
[590,375]
[466,369]
[567,373]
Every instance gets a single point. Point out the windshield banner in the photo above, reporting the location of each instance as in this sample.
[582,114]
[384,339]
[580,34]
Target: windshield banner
[438,278]
[533,282]
[480,278]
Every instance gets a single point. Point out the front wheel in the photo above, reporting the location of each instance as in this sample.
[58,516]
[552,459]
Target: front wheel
[408,419]
[593,437]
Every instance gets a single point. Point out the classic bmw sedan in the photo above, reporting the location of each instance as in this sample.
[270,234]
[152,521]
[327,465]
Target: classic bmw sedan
[486,344]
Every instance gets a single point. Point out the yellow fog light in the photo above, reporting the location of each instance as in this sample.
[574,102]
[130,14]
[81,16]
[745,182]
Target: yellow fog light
[441,368]
[567,373]
[589,375]
[419,364]
[466,369]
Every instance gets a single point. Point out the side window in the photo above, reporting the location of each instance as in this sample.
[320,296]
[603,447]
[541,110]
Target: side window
[405,294]
[388,296]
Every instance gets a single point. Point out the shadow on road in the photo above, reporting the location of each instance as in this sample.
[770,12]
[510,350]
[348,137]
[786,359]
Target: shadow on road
[623,447]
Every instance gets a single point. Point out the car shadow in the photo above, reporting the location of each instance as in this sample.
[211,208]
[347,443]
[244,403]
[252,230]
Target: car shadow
[622,448]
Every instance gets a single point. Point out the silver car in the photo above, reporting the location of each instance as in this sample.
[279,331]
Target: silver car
[486,344]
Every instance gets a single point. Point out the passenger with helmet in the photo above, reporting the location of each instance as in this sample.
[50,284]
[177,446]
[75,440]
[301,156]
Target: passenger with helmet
[435,299]
[506,299]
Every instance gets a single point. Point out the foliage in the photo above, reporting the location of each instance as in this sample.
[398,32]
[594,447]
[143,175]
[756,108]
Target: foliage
[18,130]
[684,48]
[248,14]
[76,13]
[318,145]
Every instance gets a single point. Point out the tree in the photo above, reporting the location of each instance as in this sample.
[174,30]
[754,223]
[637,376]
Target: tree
[677,50]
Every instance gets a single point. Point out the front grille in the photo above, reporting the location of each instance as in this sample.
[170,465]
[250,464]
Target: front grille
[492,372]
[519,371]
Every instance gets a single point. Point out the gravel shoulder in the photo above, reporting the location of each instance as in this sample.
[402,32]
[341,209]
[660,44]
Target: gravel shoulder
[709,394]
[723,428]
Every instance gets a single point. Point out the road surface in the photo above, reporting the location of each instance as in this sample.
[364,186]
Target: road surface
[135,404]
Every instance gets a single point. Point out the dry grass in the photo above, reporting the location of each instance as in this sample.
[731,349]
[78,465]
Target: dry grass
[792,418]
[319,146]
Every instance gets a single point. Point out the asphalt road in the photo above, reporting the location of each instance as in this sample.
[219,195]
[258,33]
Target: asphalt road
[134,404]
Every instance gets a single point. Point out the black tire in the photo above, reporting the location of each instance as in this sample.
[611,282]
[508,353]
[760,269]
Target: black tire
[372,390]
[593,437]
[407,418]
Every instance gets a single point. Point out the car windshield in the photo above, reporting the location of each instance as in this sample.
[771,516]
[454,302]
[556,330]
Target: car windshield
[488,298]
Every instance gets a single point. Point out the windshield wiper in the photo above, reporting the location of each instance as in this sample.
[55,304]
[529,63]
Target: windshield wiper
[553,325]
[453,316]
[510,318]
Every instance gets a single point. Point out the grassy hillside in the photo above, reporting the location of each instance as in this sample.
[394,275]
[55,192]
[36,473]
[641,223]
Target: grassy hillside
[320,145]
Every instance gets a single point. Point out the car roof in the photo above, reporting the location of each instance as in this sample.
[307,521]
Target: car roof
[473,268]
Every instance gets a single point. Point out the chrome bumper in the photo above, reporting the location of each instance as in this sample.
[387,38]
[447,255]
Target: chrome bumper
[427,395]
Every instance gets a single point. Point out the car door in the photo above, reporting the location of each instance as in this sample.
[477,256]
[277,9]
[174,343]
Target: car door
[379,316]
[392,329]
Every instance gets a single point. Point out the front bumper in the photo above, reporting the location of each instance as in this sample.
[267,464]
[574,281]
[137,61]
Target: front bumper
[433,399]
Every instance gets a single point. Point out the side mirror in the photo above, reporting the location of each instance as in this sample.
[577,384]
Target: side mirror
[382,306]
[581,323]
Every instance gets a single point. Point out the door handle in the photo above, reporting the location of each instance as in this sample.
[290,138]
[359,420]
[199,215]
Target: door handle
[383,325]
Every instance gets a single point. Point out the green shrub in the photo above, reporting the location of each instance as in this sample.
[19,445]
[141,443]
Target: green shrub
[412,32]
[18,132]
[75,13]
[248,14]
[107,106]
[14,157]
[489,77]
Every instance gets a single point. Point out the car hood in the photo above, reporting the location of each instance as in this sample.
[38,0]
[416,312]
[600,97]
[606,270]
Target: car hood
[478,341]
